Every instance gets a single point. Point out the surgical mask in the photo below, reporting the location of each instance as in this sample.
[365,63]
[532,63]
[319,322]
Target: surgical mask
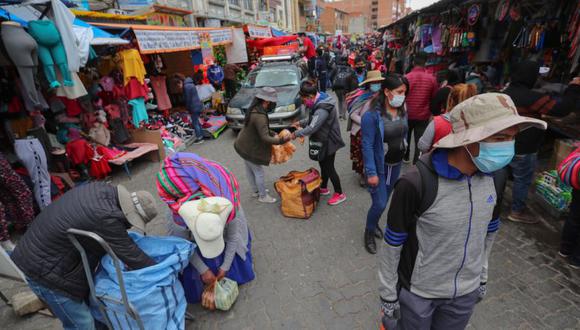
[397,101]
[493,155]
[309,103]
[375,88]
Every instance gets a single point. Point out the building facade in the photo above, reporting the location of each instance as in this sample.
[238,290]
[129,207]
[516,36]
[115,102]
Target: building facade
[333,20]
[376,12]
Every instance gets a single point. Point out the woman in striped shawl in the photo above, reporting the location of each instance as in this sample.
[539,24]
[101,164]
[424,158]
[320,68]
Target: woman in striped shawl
[188,176]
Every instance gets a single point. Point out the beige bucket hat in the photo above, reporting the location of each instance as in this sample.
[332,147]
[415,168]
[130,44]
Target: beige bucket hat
[138,207]
[372,76]
[206,218]
[482,116]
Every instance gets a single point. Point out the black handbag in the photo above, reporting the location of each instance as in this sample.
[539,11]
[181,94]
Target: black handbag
[316,150]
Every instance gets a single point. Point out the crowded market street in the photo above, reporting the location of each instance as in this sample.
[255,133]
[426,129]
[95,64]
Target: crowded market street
[314,274]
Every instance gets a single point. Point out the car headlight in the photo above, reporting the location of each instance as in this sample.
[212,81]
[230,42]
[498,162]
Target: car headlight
[234,111]
[286,108]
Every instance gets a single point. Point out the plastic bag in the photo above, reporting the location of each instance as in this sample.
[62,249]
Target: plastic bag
[226,293]
[208,297]
[282,153]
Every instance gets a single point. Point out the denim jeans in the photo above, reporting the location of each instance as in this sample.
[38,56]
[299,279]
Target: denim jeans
[196,124]
[381,193]
[571,231]
[523,167]
[256,177]
[73,314]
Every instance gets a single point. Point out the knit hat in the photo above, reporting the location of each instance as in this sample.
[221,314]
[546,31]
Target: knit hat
[267,94]
[206,218]
[372,76]
[139,207]
[482,116]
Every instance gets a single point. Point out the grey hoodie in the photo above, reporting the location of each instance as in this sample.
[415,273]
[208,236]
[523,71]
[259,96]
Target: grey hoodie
[323,125]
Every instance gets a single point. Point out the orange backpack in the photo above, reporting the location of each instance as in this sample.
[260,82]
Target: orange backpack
[299,192]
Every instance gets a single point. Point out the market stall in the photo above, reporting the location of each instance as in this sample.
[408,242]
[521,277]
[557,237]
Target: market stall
[483,41]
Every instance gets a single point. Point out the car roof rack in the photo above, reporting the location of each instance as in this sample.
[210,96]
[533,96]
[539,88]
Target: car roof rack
[276,58]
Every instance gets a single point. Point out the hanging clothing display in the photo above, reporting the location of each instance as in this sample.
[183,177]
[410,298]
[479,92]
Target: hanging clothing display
[63,18]
[33,157]
[139,111]
[30,104]
[132,65]
[50,51]
[134,89]
[16,204]
[72,92]
[160,88]
[23,51]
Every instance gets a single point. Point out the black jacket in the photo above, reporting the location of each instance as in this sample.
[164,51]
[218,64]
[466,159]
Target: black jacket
[46,255]
[534,104]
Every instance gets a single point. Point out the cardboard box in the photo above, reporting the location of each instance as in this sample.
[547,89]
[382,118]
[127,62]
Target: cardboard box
[142,135]
[562,148]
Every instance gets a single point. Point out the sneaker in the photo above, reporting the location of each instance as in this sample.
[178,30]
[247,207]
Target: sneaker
[267,199]
[198,141]
[563,255]
[324,191]
[573,263]
[522,217]
[257,194]
[337,199]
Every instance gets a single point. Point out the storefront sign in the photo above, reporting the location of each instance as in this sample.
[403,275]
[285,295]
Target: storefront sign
[205,41]
[259,31]
[237,52]
[164,41]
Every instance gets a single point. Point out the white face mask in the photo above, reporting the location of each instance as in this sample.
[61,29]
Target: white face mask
[397,101]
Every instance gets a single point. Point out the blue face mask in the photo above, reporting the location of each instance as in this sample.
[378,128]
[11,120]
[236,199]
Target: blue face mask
[375,88]
[494,155]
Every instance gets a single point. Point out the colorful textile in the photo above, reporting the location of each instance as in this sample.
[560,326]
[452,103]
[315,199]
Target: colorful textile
[356,153]
[187,176]
[569,169]
[160,88]
[79,151]
[139,111]
[214,126]
[132,65]
[16,203]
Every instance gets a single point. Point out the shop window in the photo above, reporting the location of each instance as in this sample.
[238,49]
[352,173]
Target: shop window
[249,5]
[234,2]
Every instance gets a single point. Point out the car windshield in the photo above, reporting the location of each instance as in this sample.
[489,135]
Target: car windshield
[272,77]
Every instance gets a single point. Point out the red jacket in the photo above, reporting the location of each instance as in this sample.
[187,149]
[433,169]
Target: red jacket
[422,87]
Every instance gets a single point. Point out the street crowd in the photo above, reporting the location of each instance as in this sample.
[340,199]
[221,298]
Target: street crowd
[461,138]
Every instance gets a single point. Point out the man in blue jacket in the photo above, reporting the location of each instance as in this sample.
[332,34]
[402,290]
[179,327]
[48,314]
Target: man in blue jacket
[194,107]
[215,74]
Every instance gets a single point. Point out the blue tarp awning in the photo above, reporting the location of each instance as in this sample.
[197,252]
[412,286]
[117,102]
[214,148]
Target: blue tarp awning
[100,37]
[278,33]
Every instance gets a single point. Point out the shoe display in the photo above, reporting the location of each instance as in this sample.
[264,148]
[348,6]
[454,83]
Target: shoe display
[522,217]
[267,199]
[370,244]
[337,199]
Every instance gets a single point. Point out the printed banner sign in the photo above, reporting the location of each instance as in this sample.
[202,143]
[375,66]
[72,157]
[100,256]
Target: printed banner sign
[165,41]
[259,31]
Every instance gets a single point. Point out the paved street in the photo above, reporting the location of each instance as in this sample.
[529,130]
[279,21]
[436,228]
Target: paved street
[315,274]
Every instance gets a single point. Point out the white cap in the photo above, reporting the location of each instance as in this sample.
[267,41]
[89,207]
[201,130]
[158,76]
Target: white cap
[206,218]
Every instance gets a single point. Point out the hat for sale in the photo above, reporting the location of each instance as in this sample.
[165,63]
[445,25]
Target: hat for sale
[139,207]
[206,218]
[482,116]
[372,76]
[267,94]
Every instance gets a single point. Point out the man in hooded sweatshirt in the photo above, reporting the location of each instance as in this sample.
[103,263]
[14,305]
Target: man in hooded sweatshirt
[532,104]
[194,107]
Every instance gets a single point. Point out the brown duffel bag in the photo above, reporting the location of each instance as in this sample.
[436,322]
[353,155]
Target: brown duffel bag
[299,192]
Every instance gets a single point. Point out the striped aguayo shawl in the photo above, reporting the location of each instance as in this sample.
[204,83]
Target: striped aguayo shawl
[187,176]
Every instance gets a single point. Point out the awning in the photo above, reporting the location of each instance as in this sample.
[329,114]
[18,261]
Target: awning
[168,39]
[278,33]
[24,14]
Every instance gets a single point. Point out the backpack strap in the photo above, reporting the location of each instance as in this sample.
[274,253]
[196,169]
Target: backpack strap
[429,183]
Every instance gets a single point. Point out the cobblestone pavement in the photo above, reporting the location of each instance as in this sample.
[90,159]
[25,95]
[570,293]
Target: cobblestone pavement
[315,274]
